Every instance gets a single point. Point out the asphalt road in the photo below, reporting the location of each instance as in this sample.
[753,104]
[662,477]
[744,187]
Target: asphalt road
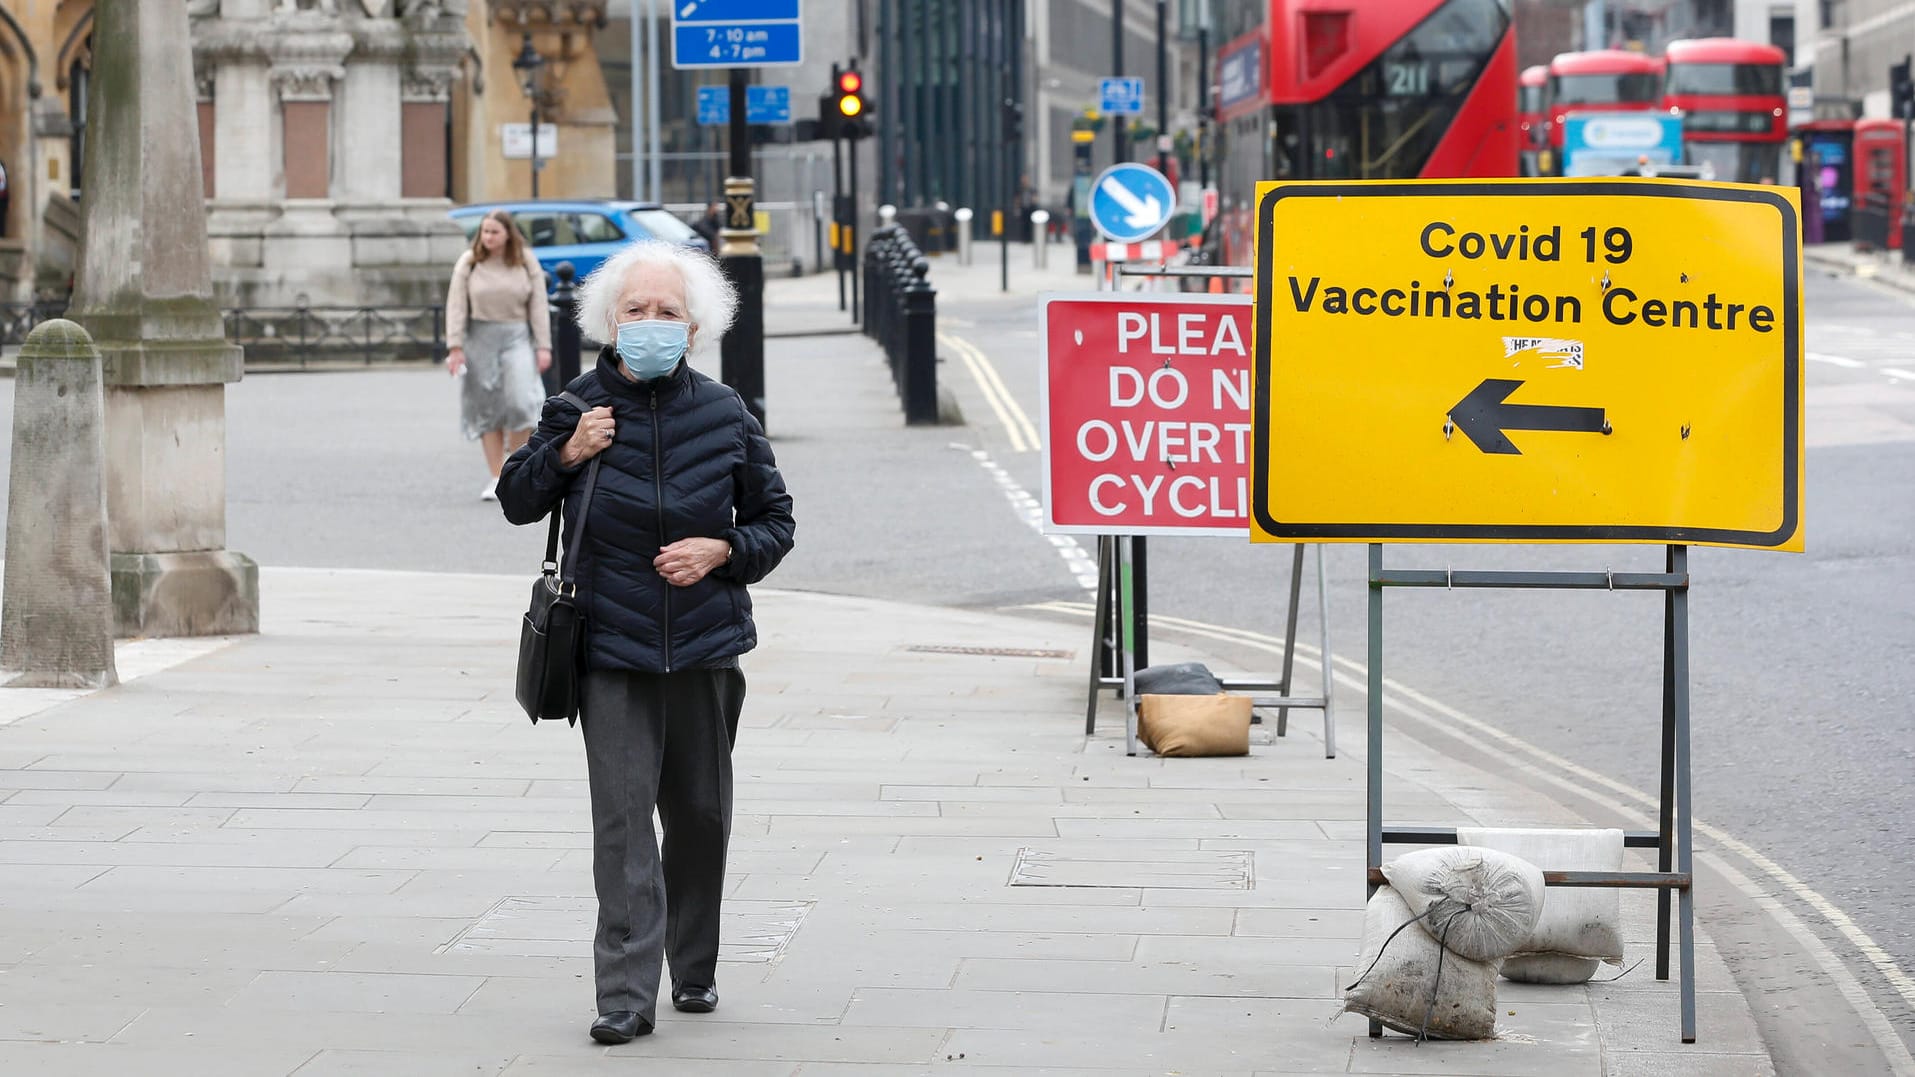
[1804,736]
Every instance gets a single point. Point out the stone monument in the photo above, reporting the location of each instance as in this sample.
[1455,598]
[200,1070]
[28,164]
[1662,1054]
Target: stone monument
[145,293]
[331,122]
[56,628]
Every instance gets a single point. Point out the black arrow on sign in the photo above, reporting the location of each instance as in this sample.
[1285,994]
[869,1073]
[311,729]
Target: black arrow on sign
[1483,416]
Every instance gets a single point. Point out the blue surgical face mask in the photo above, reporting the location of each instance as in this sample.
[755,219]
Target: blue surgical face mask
[652,348]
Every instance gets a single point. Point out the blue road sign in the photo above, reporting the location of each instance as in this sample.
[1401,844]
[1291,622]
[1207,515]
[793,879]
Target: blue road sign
[733,10]
[1611,143]
[736,33]
[768,104]
[1131,202]
[714,106]
[763,104]
[1122,97]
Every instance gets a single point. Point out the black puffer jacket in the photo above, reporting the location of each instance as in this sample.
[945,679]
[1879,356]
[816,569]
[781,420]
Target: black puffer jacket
[687,461]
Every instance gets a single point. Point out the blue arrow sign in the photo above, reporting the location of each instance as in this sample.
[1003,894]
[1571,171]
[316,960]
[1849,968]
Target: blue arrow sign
[690,11]
[1131,202]
[763,104]
[1121,96]
[736,33]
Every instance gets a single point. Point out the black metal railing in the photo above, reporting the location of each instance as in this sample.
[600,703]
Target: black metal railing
[18,319]
[304,335]
[900,313]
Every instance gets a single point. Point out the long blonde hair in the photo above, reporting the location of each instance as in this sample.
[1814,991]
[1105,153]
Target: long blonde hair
[514,252]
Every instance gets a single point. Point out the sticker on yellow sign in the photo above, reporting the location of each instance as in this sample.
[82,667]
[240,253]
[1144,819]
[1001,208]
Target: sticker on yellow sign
[1528,361]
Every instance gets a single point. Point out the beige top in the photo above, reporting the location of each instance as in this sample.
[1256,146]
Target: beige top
[491,291]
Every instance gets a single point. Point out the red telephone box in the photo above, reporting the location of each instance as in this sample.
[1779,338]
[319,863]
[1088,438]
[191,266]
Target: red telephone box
[1881,177]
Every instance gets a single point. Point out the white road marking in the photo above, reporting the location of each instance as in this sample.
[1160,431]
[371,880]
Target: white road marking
[1082,566]
[1835,360]
[1356,677]
[1010,414]
[1898,373]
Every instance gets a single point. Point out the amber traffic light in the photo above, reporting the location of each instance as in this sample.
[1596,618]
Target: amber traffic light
[850,94]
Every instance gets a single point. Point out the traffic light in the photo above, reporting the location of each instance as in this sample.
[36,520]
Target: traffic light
[1013,121]
[1901,90]
[844,113]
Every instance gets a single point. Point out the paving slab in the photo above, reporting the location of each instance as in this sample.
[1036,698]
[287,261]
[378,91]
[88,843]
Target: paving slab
[935,872]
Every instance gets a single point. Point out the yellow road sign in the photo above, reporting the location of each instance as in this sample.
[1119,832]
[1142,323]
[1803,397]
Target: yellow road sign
[1528,361]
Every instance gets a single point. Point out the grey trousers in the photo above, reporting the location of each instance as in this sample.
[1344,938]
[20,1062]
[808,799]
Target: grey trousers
[658,741]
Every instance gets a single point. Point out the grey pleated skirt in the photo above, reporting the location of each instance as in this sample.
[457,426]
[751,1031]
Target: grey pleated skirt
[502,389]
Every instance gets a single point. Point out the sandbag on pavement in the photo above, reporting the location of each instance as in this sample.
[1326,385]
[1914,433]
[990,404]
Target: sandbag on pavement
[1480,903]
[1177,679]
[1580,925]
[1410,971]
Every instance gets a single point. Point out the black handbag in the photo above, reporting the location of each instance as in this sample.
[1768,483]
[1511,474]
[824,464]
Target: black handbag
[552,636]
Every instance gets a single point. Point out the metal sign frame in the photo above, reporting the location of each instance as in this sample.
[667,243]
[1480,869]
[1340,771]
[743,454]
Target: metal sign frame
[1673,839]
[1120,599]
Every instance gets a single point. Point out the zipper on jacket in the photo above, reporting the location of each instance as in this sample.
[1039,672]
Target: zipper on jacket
[658,491]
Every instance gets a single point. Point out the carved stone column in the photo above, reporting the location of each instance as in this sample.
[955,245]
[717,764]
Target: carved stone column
[144,292]
[426,97]
[302,80]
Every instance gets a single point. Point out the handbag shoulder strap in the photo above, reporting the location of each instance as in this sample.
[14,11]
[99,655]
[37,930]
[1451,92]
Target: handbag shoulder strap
[584,514]
[551,563]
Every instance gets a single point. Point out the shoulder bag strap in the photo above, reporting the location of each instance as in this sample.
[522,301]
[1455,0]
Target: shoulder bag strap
[551,563]
[584,514]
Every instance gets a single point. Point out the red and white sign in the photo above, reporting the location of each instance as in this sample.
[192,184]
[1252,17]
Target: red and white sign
[1146,410]
[1150,250]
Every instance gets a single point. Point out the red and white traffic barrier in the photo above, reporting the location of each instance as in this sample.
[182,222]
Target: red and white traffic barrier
[1155,250]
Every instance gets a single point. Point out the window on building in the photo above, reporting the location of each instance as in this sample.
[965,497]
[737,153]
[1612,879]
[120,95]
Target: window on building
[1782,34]
[1827,10]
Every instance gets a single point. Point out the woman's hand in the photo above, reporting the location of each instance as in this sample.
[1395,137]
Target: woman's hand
[545,360]
[687,561]
[455,361]
[591,436]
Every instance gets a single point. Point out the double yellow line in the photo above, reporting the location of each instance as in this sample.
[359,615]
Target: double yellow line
[1017,425]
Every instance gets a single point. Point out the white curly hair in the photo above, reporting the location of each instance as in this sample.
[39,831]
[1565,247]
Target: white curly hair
[710,300]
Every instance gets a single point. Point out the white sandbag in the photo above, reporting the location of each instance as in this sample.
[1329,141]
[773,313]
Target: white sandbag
[1577,921]
[1480,903]
[1399,986]
[1554,969]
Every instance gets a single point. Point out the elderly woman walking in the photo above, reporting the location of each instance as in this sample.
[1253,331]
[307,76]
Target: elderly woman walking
[495,319]
[686,508]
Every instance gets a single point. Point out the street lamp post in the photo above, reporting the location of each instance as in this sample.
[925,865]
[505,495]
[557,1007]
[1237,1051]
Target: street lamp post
[527,64]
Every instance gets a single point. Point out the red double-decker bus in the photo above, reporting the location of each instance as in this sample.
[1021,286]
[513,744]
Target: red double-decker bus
[1532,96]
[1354,89]
[1730,95]
[1607,80]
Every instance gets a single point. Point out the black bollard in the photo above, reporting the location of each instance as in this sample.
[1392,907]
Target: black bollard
[920,385]
[565,331]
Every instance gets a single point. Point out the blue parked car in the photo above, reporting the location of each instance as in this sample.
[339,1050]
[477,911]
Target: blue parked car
[583,232]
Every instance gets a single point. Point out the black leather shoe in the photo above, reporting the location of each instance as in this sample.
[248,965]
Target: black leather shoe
[620,1026]
[694,999]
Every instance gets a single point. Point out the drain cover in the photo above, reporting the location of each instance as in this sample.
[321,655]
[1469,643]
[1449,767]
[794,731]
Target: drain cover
[994,652]
[1194,870]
